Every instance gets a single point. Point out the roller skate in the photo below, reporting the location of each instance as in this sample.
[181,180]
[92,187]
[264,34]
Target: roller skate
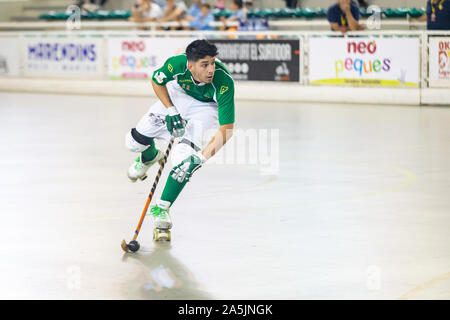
[162,223]
[138,170]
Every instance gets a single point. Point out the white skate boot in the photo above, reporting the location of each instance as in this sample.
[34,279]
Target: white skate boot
[138,170]
[161,222]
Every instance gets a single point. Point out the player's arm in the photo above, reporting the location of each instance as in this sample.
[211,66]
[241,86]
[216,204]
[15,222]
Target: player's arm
[225,101]
[175,124]
[163,94]
[221,137]
[353,23]
[188,166]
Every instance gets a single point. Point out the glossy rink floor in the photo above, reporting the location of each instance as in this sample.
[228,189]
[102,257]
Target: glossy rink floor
[355,205]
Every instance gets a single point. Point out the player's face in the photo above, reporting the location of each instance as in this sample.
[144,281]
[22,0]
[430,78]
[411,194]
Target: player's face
[203,69]
[204,10]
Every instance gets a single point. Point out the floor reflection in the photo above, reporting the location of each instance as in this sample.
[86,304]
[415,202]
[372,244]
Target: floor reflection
[159,275]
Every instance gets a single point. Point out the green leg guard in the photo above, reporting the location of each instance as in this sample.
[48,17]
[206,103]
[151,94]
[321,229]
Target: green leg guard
[149,154]
[172,189]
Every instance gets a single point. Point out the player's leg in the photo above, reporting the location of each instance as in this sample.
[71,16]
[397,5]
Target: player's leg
[148,154]
[198,133]
[171,191]
[142,140]
[152,126]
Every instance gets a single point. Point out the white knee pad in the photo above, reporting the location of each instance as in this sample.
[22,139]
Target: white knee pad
[132,144]
[181,152]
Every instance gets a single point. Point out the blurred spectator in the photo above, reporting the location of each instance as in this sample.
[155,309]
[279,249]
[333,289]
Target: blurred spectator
[161,4]
[194,10]
[92,6]
[175,11]
[145,10]
[344,16]
[363,4]
[220,4]
[201,22]
[239,14]
[437,15]
[291,4]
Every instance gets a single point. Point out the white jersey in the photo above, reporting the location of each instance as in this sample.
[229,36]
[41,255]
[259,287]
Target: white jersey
[181,5]
[155,11]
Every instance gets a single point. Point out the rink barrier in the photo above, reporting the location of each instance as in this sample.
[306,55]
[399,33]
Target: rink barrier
[283,24]
[427,91]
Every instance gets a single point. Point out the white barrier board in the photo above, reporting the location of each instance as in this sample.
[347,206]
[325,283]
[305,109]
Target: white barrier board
[63,57]
[137,58]
[9,57]
[364,61]
[439,61]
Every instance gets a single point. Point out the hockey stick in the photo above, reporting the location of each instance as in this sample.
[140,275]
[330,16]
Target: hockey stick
[134,245]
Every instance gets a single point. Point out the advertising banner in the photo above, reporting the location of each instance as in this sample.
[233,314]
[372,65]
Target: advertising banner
[261,60]
[63,57]
[137,58]
[439,61]
[364,61]
[9,56]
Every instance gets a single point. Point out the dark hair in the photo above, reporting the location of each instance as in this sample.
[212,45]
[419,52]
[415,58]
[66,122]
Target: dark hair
[238,3]
[205,5]
[199,49]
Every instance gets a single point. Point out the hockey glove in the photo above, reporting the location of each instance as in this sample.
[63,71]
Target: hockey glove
[187,167]
[175,124]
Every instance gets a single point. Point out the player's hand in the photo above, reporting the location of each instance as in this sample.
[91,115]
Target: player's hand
[174,123]
[187,167]
[346,8]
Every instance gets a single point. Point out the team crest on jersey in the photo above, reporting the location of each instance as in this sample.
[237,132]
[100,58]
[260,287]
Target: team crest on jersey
[223,89]
[160,76]
[170,67]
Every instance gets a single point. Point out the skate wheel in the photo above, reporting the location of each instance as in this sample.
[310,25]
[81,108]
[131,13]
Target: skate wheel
[143,178]
[161,235]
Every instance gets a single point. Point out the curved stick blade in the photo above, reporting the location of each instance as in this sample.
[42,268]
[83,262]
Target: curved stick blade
[124,246]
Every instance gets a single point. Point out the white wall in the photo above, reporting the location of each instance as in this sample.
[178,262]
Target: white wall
[261,91]
[13,8]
